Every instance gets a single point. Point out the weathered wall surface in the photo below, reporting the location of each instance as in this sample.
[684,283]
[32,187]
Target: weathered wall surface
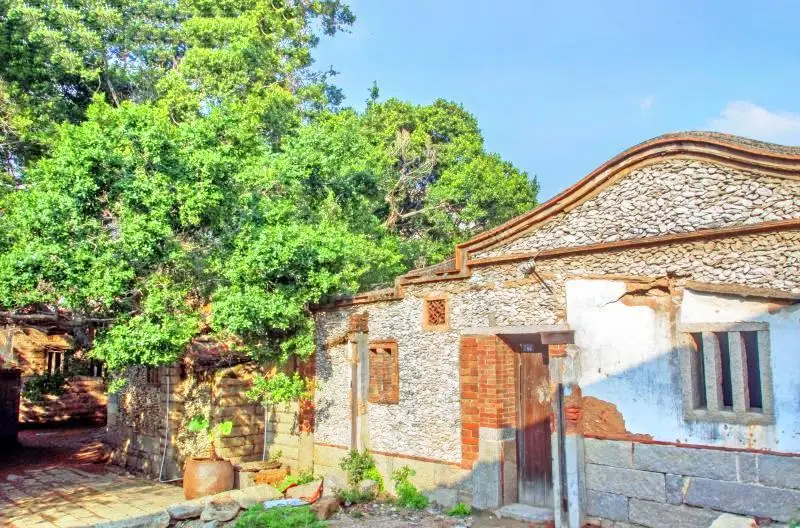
[629,357]
[426,420]
[84,400]
[658,485]
[505,295]
[137,421]
[674,196]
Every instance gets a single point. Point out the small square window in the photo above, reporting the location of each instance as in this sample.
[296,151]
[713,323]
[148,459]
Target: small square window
[56,362]
[727,376]
[436,313]
[384,375]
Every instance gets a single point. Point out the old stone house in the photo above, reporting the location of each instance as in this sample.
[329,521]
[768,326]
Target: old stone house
[34,352]
[627,351]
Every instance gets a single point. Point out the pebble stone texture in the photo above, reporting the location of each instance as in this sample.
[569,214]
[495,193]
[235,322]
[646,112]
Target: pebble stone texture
[676,196]
[665,197]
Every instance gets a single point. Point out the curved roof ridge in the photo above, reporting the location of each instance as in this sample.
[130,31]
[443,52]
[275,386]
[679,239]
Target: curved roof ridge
[712,146]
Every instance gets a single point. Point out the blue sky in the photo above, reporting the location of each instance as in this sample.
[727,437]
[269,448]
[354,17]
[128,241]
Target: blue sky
[560,87]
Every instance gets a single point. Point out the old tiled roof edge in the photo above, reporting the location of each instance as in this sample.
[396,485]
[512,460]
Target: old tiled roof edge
[741,152]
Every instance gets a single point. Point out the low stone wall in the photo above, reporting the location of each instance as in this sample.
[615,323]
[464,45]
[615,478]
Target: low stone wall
[137,421]
[84,400]
[658,485]
[442,482]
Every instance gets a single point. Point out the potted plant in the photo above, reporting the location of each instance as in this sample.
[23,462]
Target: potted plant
[207,476]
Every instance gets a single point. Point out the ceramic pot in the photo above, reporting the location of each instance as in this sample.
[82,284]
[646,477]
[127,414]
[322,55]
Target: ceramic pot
[206,476]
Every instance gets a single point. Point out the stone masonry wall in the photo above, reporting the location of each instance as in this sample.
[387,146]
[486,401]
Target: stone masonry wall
[675,196]
[427,420]
[657,485]
[84,400]
[137,421]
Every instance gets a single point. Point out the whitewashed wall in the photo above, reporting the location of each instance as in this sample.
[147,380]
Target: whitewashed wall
[627,357]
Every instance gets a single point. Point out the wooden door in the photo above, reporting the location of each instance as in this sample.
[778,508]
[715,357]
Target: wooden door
[535,467]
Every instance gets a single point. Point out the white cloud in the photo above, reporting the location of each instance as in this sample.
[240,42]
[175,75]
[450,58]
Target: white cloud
[647,102]
[750,120]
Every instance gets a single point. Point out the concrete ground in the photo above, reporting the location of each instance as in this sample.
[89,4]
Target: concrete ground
[58,478]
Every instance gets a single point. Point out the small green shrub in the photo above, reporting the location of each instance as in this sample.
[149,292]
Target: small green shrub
[350,496]
[278,388]
[283,517]
[357,465]
[304,477]
[37,386]
[460,510]
[408,496]
[375,475]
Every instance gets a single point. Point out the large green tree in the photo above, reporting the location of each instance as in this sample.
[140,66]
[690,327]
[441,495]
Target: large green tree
[197,176]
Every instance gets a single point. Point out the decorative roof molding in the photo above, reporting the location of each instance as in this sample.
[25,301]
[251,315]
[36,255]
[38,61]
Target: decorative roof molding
[733,151]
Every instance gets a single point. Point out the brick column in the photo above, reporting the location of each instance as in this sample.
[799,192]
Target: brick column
[10,386]
[488,418]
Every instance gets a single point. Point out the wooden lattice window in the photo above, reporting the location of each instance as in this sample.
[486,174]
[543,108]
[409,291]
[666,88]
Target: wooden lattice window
[384,373]
[436,314]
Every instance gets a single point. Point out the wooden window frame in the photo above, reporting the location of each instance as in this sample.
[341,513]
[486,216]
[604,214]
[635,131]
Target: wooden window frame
[426,324]
[386,395]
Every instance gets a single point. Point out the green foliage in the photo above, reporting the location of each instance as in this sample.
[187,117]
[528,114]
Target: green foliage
[408,496]
[304,477]
[36,387]
[281,517]
[200,424]
[374,475]
[357,465]
[175,169]
[277,388]
[460,510]
[352,495]
[116,385]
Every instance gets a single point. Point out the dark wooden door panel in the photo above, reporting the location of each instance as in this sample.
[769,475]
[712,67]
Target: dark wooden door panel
[533,434]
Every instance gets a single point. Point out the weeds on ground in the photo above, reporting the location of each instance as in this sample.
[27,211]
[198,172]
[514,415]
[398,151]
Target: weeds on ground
[460,510]
[351,496]
[283,517]
[304,477]
[408,496]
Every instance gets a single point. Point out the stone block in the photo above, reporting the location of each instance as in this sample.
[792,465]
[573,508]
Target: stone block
[220,508]
[255,495]
[445,497]
[746,499]
[186,510]
[628,482]
[707,463]
[325,507]
[779,471]
[726,520]
[656,515]
[608,452]
[674,489]
[305,491]
[607,505]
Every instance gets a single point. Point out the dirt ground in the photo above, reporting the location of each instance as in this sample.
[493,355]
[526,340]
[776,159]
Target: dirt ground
[40,448]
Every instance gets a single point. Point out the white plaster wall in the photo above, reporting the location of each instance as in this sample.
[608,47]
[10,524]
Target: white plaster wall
[627,357]
[784,332]
[332,393]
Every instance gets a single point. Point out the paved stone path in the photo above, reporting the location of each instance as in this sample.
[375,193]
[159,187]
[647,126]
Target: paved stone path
[72,496]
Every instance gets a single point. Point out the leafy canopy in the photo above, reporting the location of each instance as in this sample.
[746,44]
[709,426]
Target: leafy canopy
[177,169]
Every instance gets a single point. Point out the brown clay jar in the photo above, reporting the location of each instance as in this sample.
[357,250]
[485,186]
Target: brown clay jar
[206,476]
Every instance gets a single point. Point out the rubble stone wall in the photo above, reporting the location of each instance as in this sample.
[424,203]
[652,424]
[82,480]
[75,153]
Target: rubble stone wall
[426,421]
[84,400]
[675,196]
[658,485]
[137,421]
